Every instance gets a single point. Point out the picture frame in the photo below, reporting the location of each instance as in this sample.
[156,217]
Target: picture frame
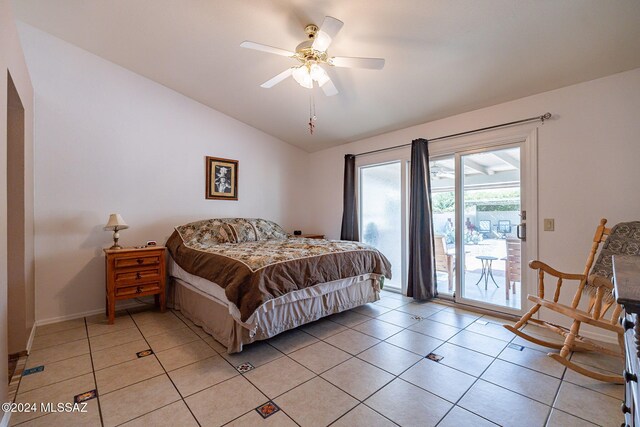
[221,178]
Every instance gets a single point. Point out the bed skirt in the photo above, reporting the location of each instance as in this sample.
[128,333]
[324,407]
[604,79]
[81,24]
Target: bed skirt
[219,318]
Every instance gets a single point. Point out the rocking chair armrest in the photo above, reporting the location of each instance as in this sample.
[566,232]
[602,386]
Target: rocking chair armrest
[539,265]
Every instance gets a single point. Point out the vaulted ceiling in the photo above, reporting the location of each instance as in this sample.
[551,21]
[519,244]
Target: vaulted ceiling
[442,57]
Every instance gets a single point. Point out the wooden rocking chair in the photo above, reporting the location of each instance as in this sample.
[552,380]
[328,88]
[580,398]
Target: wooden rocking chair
[598,287]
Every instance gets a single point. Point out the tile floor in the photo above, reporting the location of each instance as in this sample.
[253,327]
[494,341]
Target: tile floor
[365,367]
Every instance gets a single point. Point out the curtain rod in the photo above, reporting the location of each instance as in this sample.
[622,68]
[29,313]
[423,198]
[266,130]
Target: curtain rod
[542,118]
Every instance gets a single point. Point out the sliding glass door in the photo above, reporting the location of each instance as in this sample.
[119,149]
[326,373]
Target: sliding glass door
[381,214]
[491,236]
[481,192]
[443,205]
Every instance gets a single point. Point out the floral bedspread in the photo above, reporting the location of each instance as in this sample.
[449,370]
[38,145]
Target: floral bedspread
[260,254]
[255,271]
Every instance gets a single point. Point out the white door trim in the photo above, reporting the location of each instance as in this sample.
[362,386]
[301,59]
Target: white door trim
[528,138]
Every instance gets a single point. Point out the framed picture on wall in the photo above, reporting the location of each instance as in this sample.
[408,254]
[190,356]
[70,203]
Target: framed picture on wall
[222,179]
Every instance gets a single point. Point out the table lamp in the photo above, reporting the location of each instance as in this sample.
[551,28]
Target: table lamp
[115,223]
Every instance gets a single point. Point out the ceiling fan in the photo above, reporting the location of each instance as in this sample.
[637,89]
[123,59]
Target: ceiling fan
[312,54]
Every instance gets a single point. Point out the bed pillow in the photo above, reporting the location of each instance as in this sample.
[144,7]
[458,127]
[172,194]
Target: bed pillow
[267,230]
[208,231]
[242,230]
[230,230]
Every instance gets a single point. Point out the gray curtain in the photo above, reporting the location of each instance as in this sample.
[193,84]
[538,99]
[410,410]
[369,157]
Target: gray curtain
[422,272]
[350,211]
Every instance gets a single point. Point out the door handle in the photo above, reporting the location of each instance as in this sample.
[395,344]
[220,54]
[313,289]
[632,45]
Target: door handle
[521,231]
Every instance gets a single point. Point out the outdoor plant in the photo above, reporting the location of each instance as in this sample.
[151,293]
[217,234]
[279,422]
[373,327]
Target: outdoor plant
[472,236]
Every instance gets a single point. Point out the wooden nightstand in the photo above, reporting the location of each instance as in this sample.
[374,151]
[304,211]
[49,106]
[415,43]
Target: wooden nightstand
[133,273]
[310,236]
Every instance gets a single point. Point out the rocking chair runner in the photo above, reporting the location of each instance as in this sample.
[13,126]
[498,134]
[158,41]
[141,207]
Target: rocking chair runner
[624,238]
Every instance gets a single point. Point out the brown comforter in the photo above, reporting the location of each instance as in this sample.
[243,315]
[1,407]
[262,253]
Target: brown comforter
[252,273]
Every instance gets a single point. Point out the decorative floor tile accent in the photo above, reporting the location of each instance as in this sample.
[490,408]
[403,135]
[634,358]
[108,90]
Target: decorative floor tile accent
[245,367]
[416,317]
[267,409]
[33,370]
[434,357]
[87,395]
[144,353]
[516,347]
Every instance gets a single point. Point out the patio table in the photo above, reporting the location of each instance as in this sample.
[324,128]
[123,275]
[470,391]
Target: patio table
[486,270]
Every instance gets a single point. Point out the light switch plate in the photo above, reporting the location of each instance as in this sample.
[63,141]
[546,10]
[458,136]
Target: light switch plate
[549,224]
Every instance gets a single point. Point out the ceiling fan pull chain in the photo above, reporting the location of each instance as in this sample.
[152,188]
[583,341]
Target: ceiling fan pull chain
[312,114]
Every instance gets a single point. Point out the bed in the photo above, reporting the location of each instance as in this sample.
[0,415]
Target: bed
[245,279]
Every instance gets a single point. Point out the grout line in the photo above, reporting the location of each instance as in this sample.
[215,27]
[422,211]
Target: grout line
[368,407]
[351,356]
[555,396]
[476,378]
[60,331]
[165,371]
[272,399]
[62,380]
[134,383]
[157,409]
[93,371]
[35,350]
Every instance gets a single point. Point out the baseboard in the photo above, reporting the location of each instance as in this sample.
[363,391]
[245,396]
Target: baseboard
[6,418]
[31,336]
[608,338]
[123,305]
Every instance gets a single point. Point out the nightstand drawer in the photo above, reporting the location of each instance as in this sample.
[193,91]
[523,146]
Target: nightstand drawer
[126,277]
[139,261]
[133,273]
[138,289]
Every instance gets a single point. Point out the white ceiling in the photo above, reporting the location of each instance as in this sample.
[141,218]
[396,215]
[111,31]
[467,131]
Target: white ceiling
[443,57]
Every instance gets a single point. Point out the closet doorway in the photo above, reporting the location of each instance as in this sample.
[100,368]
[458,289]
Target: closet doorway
[17,292]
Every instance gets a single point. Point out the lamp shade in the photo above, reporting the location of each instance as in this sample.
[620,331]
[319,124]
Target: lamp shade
[301,75]
[115,223]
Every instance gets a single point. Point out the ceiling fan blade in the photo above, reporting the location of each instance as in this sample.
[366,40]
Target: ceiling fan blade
[349,62]
[326,33]
[265,48]
[329,88]
[277,79]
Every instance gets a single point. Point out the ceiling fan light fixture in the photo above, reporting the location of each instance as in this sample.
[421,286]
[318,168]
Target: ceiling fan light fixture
[317,72]
[312,54]
[302,76]
[322,41]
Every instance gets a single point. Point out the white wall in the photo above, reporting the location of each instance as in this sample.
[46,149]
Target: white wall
[588,161]
[12,60]
[109,140]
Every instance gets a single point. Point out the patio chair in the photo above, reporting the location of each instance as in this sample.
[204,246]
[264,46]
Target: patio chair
[504,227]
[484,227]
[444,261]
[595,284]
[512,267]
